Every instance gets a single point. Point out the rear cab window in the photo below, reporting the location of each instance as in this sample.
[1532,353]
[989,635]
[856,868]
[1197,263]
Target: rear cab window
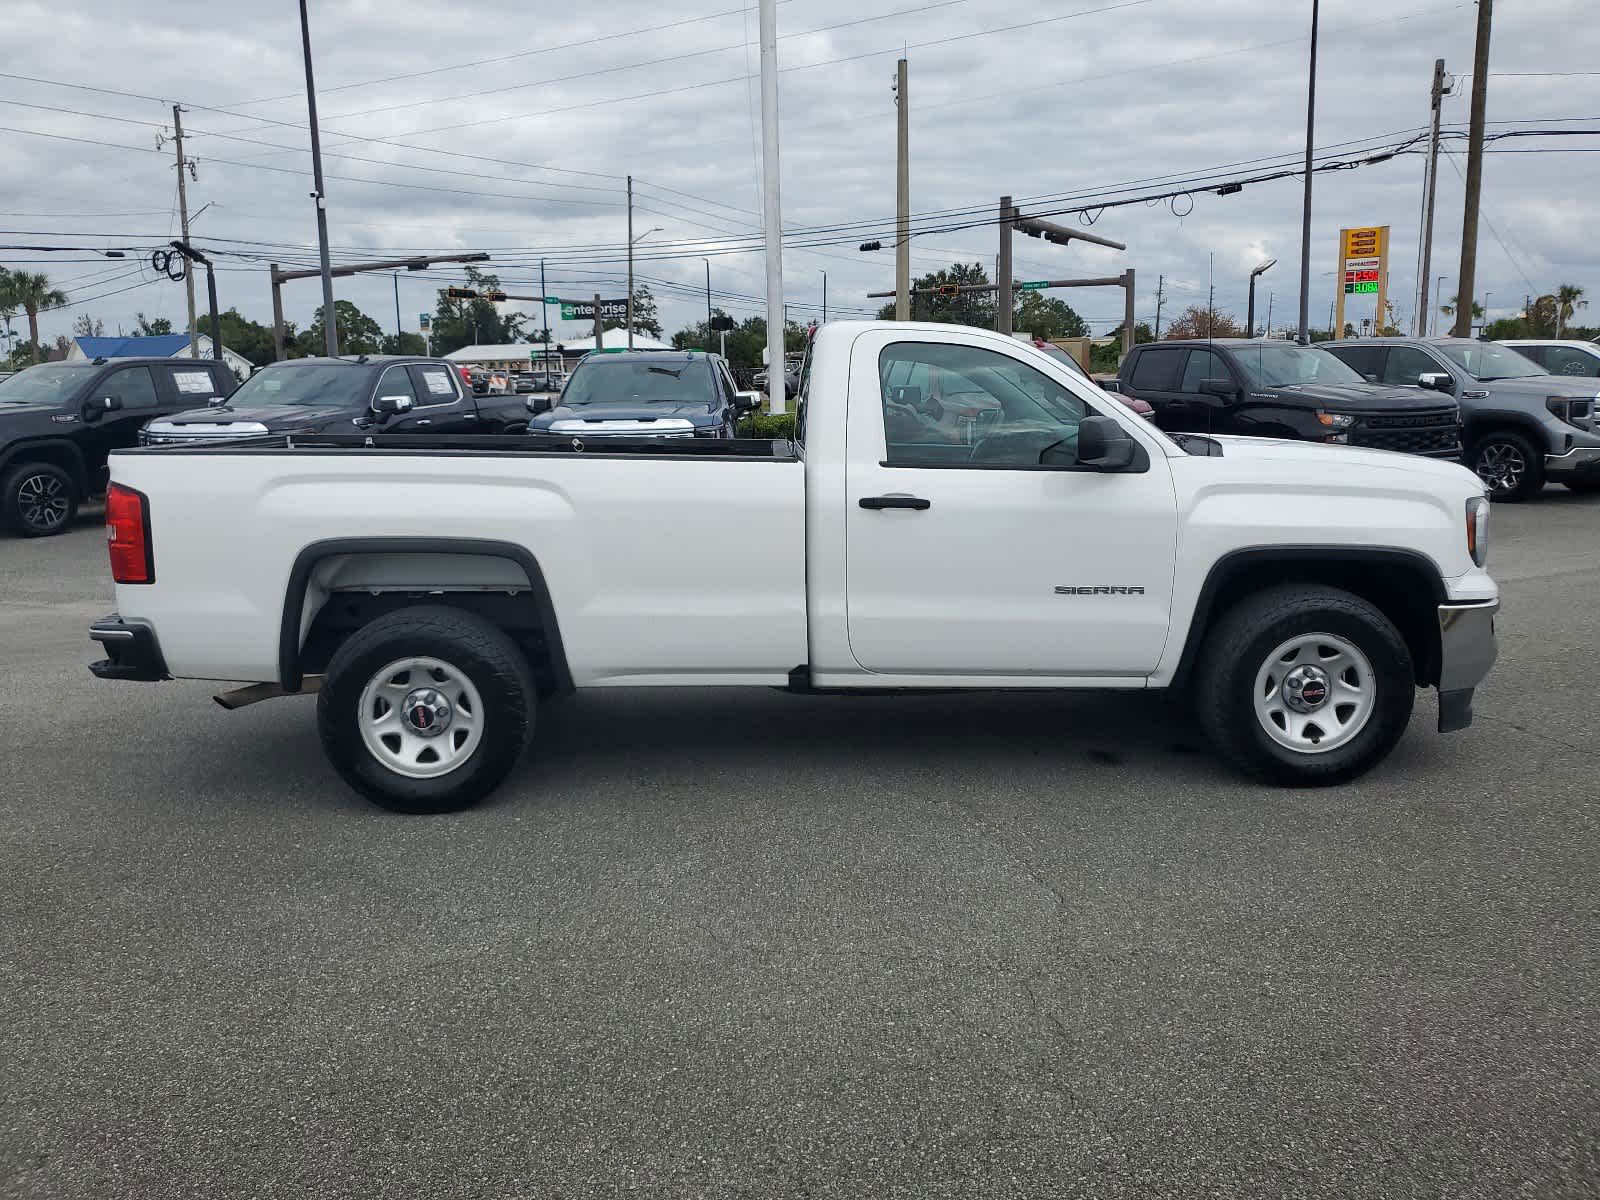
[196,383]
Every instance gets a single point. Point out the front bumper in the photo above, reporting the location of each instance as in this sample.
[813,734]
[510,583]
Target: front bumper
[1467,650]
[1579,462]
[134,652]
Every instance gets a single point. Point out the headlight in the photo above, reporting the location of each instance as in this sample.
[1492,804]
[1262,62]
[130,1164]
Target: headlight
[1578,411]
[1335,420]
[1478,529]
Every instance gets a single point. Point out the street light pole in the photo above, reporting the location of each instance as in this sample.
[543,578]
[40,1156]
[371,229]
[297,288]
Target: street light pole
[329,325]
[824,297]
[1437,295]
[630,262]
[1305,218]
[1250,321]
[707,262]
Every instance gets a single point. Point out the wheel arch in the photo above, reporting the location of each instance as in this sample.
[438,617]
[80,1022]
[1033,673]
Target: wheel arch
[59,452]
[1405,585]
[1476,429]
[490,596]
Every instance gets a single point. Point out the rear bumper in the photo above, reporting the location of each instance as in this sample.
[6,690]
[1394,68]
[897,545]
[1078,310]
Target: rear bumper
[1467,649]
[132,650]
[1581,462]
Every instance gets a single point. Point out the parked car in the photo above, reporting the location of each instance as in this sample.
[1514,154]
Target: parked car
[58,421]
[1298,594]
[1523,425]
[1270,388]
[650,393]
[791,380]
[1569,358]
[391,394]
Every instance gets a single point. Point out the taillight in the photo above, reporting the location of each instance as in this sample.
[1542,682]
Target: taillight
[128,536]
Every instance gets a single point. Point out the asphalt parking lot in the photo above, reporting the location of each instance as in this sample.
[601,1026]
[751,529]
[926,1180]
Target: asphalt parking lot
[753,945]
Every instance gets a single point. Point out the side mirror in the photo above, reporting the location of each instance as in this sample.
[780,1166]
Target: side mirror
[216,402]
[538,404]
[1437,381]
[94,409]
[1370,378]
[1222,389]
[389,406]
[746,402]
[1104,445]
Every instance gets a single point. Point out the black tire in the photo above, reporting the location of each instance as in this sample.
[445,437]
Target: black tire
[1510,465]
[1586,486]
[497,669]
[1239,647]
[38,499]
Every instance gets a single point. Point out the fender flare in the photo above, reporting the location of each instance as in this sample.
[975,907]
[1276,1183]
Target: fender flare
[290,676]
[24,450]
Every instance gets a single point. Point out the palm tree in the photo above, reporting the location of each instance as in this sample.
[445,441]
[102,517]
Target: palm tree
[1569,298]
[31,292]
[8,308]
[1449,310]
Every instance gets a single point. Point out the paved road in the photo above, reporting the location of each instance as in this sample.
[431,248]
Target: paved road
[764,946]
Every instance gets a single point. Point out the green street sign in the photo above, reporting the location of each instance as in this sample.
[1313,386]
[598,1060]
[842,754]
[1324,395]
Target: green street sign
[1033,285]
[552,299]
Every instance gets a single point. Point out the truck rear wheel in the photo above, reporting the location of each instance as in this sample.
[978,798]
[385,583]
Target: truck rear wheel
[1305,686]
[426,710]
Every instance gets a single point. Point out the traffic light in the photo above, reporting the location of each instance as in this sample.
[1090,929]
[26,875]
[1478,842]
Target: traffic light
[872,245]
[493,297]
[461,293]
[949,289]
[722,324]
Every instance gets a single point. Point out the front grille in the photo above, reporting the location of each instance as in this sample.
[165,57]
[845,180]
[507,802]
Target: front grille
[1435,434]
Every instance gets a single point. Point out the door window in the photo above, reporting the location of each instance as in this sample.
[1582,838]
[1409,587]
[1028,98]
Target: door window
[1539,354]
[1202,364]
[396,381]
[433,385]
[1156,370]
[1406,364]
[950,405]
[1562,360]
[132,385]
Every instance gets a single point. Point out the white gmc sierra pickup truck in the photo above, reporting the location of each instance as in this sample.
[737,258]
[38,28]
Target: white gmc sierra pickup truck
[956,510]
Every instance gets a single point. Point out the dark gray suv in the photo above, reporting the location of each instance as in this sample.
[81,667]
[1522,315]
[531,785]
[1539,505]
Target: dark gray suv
[1521,425]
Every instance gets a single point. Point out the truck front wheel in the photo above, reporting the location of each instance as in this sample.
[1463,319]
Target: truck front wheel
[1305,686]
[38,499]
[426,710]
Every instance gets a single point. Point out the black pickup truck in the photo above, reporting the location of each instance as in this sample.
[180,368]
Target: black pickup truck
[1271,388]
[58,421]
[387,394]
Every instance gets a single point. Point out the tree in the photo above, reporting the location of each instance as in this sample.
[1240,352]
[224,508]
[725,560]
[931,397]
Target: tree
[1449,309]
[645,320]
[966,308]
[157,328]
[1197,321]
[1047,317]
[83,325]
[250,338]
[358,333]
[405,343]
[31,292]
[458,323]
[746,340]
[1569,298]
[1106,355]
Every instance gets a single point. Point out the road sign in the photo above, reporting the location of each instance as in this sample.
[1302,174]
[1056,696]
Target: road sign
[583,310]
[1033,285]
[424,319]
[552,299]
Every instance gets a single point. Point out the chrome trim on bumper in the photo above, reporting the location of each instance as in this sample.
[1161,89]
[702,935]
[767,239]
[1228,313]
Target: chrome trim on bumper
[1575,459]
[1467,649]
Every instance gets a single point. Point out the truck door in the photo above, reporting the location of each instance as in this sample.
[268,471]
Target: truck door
[119,429]
[966,555]
[441,407]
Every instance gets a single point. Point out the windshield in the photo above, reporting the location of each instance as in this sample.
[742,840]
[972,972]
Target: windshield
[652,381]
[1485,361]
[320,385]
[1288,365]
[49,384]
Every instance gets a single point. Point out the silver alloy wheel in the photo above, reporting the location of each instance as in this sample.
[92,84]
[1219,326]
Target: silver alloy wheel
[1314,693]
[420,717]
[43,502]
[1502,466]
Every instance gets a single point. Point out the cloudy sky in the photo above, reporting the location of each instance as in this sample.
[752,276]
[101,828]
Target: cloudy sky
[509,128]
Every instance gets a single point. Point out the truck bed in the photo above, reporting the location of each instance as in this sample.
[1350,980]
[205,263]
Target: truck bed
[531,445]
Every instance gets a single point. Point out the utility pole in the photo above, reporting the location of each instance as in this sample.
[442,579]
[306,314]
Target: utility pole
[544,307]
[1438,294]
[599,325]
[1003,301]
[824,297]
[1467,278]
[630,262]
[772,204]
[1305,218]
[183,212]
[902,197]
[1420,325]
[707,262]
[330,326]
[1161,289]
[1269,314]
[398,329]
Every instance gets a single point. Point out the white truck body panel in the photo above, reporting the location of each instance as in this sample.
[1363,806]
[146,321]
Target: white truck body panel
[672,570]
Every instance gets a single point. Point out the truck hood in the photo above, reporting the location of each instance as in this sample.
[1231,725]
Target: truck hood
[285,418]
[1541,387]
[1322,458]
[697,412]
[1362,396]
